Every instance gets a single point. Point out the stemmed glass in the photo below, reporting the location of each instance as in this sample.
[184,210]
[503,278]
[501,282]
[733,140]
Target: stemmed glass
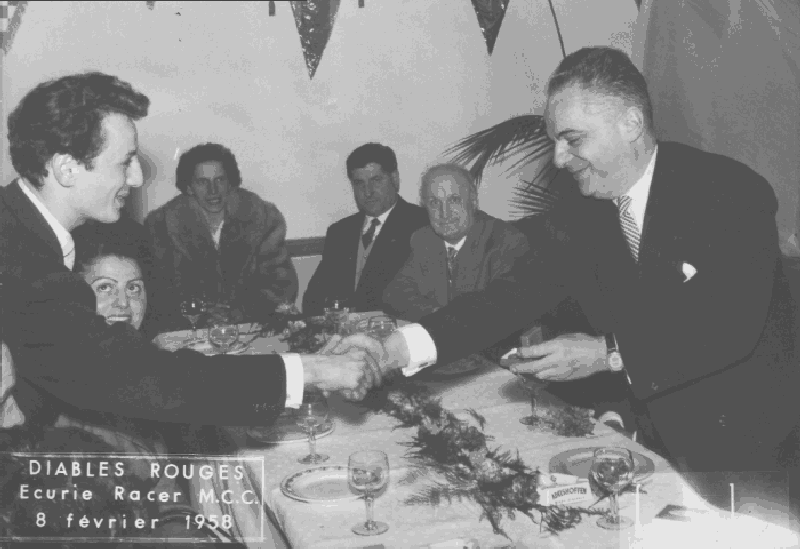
[613,469]
[368,473]
[191,308]
[336,310]
[312,414]
[533,386]
[223,333]
[381,327]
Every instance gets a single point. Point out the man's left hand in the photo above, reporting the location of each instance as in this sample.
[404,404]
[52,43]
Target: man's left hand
[567,357]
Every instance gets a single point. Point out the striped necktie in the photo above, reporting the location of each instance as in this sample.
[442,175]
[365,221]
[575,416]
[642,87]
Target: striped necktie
[628,224]
[451,262]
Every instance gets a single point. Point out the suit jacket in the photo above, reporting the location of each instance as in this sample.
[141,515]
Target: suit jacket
[421,286]
[713,358]
[68,360]
[252,269]
[336,274]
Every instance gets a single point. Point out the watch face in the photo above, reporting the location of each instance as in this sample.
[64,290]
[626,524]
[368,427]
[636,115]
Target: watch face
[615,361]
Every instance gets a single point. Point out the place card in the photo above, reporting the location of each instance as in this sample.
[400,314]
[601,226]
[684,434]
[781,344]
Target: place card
[561,489]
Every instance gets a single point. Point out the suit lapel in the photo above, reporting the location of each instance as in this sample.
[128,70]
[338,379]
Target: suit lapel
[30,217]
[471,256]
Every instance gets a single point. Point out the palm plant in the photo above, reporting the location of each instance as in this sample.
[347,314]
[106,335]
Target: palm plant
[525,138]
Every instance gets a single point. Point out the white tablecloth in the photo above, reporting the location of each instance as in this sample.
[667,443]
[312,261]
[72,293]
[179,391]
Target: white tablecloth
[497,395]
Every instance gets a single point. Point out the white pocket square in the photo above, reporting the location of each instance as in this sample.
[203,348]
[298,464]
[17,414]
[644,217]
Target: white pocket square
[688,271]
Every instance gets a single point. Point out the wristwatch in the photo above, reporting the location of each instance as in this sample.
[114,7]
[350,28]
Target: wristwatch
[613,355]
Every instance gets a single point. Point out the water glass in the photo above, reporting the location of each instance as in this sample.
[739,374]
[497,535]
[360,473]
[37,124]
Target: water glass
[223,335]
[381,327]
[613,470]
[368,473]
[192,307]
[336,311]
[313,413]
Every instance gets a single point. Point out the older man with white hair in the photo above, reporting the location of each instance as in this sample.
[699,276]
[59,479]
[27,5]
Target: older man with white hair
[461,250]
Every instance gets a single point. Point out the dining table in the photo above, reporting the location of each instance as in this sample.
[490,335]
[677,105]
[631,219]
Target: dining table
[262,515]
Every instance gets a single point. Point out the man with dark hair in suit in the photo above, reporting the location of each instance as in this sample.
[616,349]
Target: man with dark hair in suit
[363,252]
[673,255]
[74,143]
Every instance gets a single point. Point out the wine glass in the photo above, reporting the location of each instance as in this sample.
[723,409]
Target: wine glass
[191,308]
[336,310]
[223,333]
[381,327]
[613,469]
[533,386]
[312,414]
[368,473]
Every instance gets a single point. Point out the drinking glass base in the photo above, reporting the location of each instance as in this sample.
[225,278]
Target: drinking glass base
[375,528]
[313,459]
[619,523]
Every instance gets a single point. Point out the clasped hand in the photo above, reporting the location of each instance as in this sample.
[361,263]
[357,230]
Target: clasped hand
[349,366]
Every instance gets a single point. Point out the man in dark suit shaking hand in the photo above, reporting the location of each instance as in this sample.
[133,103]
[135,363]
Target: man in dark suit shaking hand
[673,254]
[363,252]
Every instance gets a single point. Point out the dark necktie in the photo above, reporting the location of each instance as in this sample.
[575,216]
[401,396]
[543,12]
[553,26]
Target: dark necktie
[367,237]
[451,262]
[629,226]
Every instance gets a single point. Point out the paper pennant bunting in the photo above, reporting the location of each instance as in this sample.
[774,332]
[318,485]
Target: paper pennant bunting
[490,17]
[314,20]
[10,20]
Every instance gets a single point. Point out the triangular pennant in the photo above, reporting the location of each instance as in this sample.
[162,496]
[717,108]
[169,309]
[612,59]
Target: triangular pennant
[10,20]
[314,20]
[490,16]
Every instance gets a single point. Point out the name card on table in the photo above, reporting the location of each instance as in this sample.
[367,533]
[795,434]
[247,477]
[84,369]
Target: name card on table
[559,489]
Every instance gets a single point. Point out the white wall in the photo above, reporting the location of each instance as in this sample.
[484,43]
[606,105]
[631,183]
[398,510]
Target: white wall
[412,74]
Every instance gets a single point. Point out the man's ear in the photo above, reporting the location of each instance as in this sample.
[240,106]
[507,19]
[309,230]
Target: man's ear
[395,177]
[632,123]
[64,168]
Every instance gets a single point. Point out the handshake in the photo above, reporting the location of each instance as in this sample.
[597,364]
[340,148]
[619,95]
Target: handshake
[354,365]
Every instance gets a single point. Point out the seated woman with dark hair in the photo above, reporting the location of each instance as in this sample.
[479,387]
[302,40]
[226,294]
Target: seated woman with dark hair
[222,240]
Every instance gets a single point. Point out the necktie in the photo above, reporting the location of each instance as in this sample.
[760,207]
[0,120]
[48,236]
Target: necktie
[367,237]
[451,262]
[629,227]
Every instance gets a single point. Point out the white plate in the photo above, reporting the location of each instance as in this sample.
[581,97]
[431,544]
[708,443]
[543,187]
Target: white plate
[325,484]
[286,431]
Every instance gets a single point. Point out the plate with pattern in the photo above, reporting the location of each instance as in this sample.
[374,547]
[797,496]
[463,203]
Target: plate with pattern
[325,484]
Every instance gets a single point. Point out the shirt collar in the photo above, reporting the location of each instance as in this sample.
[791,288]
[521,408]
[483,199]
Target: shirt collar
[62,234]
[640,191]
[457,246]
[368,219]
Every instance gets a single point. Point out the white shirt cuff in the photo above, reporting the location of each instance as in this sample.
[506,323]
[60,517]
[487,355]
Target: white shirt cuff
[294,379]
[421,348]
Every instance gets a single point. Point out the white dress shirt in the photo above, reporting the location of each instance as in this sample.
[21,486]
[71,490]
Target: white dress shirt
[382,218]
[422,349]
[458,245]
[291,361]
[641,191]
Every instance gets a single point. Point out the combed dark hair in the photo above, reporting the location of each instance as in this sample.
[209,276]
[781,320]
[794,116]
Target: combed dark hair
[606,70]
[208,152]
[369,153]
[64,116]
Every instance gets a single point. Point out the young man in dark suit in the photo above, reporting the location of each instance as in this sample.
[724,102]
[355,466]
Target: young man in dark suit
[74,143]
[363,252]
[673,255]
